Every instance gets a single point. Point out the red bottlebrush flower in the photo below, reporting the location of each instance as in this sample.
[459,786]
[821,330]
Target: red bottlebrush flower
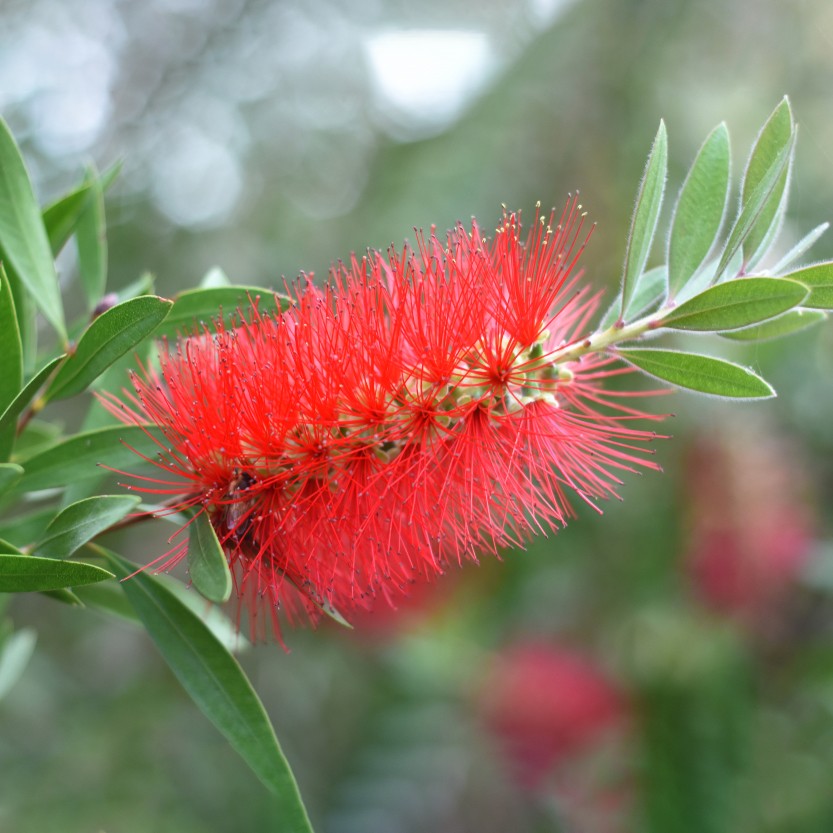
[752,529]
[547,706]
[407,416]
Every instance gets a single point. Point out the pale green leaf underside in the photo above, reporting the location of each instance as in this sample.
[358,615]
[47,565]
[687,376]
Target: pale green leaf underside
[699,373]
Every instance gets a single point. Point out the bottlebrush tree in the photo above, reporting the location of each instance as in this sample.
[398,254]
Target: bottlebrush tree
[321,448]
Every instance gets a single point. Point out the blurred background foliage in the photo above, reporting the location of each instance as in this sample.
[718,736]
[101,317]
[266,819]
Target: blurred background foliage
[666,667]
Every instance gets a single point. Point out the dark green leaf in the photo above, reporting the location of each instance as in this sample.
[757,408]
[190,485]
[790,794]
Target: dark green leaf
[10,473]
[109,597]
[21,530]
[790,322]
[91,235]
[27,317]
[108,338]
[207,563]
[81,522]
[776,135]
[11,350]
[645,216]
[700,210]
[15,653]
[64,596]
[61,217]
[736,304]
[196,307]
[800,248]
[819,280]
[700,373]
[36,436]
[77,457]
[26,573]
[15,409]
[22,235]
[217,684]
[753,206]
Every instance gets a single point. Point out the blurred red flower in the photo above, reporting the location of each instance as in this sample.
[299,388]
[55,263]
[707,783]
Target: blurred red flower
[547,705]
[405,417]
[751,524]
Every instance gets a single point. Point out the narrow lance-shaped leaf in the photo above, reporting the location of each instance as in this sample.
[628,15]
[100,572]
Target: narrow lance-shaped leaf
[10,473]
[27,573]
[16,407]
[775,135]
[27,317]
[108,338]
[754,205]
[789,323]
[78,456]
[699,373]
[202,306]
[81,522]
[216,683]
[645,216]
[649,291]
[819,280]
[91,235]
[11,350]
[22,235]
[800,248]
[736,304]
[61,217]
[207,563]
[700,209]
[15,653]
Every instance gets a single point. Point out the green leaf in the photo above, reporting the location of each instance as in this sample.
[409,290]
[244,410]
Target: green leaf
[800,248]
[27,317]
[10,473]
[216,683]
[754,206]
[26,573]
[11,349]
[207,563]
[214,278]
[15,653]
[108,338]
[645,216]
[77,457]
[22,234]
[700,209]
[15,408]
[790,322]
[736,304]
[143,285]
[700,373]
[81,522]
[196,307]
[64,596]
[819,280]
[776,135]
[91,235]
[19,530]
[650,289]
[61,217]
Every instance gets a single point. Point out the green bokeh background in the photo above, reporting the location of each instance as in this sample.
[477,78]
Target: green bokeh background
[267,119]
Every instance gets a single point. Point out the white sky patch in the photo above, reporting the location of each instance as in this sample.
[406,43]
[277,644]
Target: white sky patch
[424,78]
